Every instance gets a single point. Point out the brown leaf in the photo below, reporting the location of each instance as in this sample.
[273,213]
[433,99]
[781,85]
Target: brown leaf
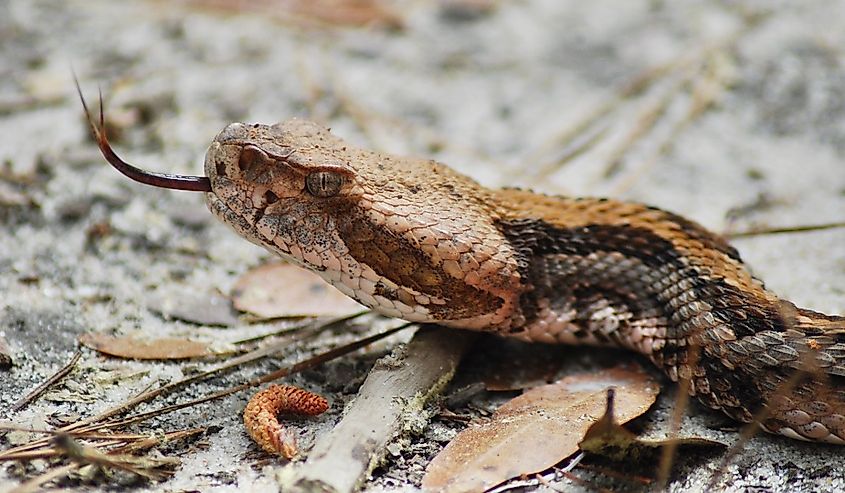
[607,438]
[128,347]
[536,430]
[277,290]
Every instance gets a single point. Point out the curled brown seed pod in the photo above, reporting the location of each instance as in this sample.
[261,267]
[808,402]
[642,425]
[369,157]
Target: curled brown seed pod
[261,416]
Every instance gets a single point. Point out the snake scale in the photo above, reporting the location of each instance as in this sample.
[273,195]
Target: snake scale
[413,239]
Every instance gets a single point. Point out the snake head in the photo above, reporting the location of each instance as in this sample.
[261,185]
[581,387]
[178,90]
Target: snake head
[408,237]
[282,187]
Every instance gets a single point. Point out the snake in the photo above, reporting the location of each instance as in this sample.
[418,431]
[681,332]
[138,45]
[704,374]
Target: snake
[412,238]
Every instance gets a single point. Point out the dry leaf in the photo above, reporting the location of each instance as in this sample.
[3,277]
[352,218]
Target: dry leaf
[131,348]
[607,438]
[536,430]
[278,289]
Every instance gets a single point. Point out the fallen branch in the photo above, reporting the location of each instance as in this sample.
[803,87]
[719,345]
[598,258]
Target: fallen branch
[390,400]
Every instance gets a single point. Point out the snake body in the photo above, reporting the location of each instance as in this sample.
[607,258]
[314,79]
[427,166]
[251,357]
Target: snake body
[413,239]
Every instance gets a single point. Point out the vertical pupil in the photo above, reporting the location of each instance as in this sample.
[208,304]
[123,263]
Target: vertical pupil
[323,183]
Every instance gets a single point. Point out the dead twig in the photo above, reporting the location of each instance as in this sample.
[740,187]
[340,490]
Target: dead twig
[788,229]
[63,371]
[706,89]
[85,455]
[631,89]
[90,424]
[390,401]
[65,443]
[645,124]
[139,466]
[283,372]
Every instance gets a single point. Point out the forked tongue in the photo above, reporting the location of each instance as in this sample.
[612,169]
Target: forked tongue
[161,180]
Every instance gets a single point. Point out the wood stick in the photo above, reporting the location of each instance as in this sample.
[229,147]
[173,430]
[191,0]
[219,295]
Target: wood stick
[394,393]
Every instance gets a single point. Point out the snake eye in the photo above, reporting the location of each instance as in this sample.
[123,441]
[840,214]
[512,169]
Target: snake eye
[323,183]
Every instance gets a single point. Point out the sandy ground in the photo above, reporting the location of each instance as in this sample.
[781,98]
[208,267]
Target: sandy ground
[489,91]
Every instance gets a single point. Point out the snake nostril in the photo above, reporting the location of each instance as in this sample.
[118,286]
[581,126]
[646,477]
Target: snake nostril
[270,197]
[221,168]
